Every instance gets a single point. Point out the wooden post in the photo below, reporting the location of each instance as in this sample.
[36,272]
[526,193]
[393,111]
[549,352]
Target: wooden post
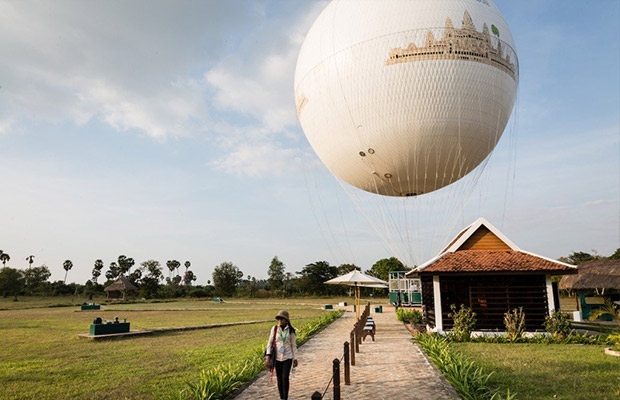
[336,379]
[347,368]
[316,396]
[352,340]
[357,338]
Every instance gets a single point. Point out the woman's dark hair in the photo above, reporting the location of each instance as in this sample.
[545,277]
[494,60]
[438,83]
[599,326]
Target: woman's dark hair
[290,326]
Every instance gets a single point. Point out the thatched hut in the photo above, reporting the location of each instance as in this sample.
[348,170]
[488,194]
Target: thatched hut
[594,281]
[121,288]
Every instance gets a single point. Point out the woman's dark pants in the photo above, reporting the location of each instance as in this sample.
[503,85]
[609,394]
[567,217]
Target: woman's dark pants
[283,370]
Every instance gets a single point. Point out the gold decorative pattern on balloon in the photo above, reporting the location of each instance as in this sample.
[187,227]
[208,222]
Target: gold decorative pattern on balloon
[457,44]
[301,101]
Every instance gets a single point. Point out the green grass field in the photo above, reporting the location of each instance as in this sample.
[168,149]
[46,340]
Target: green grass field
[537,371]
[42,358]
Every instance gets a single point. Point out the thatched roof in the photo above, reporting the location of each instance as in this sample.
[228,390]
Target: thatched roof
[594,274]
[120,285]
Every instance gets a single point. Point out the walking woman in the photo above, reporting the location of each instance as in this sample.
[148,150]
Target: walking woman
[284,339]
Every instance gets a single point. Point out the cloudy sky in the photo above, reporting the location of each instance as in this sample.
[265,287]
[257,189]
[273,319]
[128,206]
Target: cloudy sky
[167,130]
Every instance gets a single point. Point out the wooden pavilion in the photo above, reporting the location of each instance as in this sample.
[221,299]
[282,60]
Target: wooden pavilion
[595,280]
[120,288]
[483,269]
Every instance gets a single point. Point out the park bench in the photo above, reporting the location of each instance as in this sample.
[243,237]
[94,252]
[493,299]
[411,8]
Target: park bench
[369,329]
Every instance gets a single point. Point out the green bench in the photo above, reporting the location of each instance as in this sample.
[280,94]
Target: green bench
[108,328]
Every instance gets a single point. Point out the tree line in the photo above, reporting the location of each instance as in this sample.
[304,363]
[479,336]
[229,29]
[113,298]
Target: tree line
[228,279]
[150,278]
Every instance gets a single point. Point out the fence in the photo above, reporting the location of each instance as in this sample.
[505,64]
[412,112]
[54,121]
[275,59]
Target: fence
[348,358]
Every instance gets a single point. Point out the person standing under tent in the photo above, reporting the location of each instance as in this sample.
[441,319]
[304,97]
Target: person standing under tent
[284,339]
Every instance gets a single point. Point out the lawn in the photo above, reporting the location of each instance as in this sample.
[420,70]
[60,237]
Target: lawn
[537,371]
[41,357]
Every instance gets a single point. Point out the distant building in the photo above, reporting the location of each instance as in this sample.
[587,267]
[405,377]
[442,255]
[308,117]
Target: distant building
[121,288]
[595,281]
[482,269]
[457,44]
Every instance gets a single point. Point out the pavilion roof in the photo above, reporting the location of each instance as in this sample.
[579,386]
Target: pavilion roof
[594,275]
[121,284]
[496,261]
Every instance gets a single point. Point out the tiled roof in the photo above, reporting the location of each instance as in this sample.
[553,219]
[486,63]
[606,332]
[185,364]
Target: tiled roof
[494,261]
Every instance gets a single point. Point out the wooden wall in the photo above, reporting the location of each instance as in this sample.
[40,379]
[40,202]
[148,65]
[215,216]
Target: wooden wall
[483,239]
[491,296]
[427,299]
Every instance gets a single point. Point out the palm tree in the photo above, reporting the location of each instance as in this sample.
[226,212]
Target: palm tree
[608,308]
[30,260]
[177,265]
[97,270]
[187,265]
[67,265]
[171,266]
[4,257]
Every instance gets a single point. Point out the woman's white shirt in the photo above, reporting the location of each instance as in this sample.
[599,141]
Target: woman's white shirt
[290,344]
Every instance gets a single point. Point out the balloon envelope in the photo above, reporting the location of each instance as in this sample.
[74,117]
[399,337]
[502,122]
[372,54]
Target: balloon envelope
[403,97]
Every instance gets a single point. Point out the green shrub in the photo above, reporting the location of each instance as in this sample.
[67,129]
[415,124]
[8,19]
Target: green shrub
[217,382]
[538,339]
[464,322]
[514,321]
[469,380]
[558,324]
[409,316]
[614,340]
[609,308]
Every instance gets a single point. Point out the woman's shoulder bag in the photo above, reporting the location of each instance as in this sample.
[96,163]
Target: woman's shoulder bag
[272,349]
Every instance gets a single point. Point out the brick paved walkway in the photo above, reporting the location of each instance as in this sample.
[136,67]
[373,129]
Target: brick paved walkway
[392,367]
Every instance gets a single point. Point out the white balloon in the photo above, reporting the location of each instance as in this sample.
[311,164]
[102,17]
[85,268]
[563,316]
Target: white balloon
[404,97]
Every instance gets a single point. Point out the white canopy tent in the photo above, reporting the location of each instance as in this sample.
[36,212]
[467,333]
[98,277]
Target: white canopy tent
[358,279]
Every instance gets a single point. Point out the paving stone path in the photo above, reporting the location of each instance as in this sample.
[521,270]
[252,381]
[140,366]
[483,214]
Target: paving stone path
[392,367]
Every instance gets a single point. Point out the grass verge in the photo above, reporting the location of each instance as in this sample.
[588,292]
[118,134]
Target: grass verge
[471,381]
[219,381]
[548,371]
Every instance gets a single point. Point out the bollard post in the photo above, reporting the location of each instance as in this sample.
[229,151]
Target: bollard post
[336,380]
[357,338]
[316,396]
[352,340]
[347,367]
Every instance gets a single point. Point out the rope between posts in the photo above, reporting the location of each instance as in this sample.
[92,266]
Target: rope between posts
[330,380]
[327,387]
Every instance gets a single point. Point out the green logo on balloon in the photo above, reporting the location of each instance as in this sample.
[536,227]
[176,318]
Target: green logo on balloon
[495,30]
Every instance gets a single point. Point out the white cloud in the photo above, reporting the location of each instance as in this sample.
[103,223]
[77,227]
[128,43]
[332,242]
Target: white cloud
[159,70]
[133,65]
[5,125]
[257,81]
[260,160]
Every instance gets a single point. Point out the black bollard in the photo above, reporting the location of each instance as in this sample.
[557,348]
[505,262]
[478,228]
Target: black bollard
[316,396]
[347,368]
[352,348]
[336,379]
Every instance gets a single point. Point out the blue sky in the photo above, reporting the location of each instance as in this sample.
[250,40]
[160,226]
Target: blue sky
[167,130]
